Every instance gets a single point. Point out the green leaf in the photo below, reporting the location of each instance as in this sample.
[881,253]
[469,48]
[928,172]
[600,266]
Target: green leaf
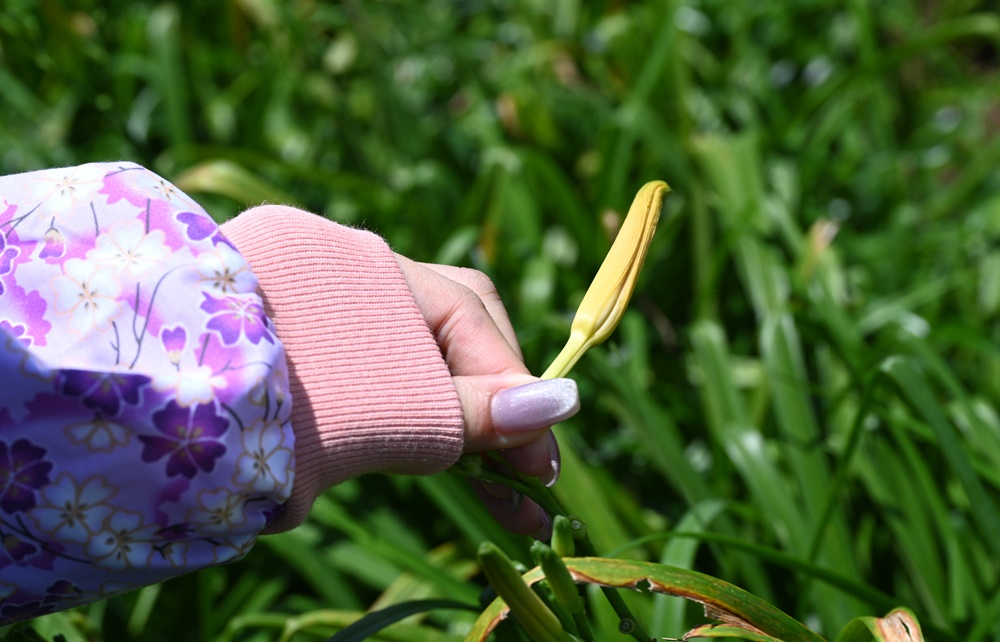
[372,623]
[722,601]
[226,178]
[669,613]
[899,625]
[863,592]
[723,631]
[56,627]
[918,393]
[24,635]
[732,427]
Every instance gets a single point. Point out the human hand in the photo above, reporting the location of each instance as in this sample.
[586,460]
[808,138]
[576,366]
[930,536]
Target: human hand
[505,408]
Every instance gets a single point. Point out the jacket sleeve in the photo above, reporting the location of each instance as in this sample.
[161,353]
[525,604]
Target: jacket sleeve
[144,408]
[146,420]
[372,391]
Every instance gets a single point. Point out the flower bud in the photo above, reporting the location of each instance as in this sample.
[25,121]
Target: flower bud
[540,623]
[562,537]
[605,301]
[557,575]
[577,527]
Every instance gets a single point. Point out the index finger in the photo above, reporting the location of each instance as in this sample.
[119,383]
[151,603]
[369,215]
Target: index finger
[487,292]
[466,333]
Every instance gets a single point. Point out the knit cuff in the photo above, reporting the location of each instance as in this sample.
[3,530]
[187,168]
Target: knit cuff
[370,389]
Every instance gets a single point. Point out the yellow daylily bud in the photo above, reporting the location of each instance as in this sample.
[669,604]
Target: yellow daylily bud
[605,301]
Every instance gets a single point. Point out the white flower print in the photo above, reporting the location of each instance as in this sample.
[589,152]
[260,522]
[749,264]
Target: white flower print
[219,512]
[272,388]
[176,553]
[128,248]
[124,543]
[65,189]
[265,462]
[260,392]
[99,434]
[225,271]
[234,548]
[280,379]
[145,181]
[87,291]
[29,365]
[190,385]
[72,511]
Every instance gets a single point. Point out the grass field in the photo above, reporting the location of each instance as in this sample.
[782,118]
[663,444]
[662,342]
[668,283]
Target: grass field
[807,384]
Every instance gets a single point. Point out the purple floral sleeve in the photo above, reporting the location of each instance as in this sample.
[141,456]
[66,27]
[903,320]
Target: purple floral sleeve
[144,409]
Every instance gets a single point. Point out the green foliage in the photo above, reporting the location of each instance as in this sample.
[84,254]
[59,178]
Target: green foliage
[743,611]
[374,622]
[808,380]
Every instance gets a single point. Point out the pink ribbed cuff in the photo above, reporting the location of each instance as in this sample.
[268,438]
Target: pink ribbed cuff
[370,389]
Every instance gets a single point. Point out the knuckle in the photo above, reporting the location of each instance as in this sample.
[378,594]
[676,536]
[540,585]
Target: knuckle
[479,283]
[469,303]
[464,319]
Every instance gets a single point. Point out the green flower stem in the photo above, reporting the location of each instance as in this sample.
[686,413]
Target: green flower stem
[546,501]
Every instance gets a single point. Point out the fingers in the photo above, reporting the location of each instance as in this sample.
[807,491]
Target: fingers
[487,293]
[504,411]
[469,338]
[516,420]
[539,458]
[517,514]
[504,407]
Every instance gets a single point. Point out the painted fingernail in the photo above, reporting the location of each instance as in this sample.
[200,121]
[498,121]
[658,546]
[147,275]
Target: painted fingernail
[497,490]
[550,478]
[535,405]
[544,532]
[513,503]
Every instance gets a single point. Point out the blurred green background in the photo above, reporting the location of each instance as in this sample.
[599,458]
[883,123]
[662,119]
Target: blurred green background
[809,373]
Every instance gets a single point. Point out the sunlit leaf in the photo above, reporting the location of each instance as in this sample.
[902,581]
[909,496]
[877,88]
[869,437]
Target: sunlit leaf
[722,601]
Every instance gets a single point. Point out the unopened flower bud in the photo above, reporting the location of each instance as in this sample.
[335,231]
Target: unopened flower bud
[562,537]
[577,527]
[557,575]
[540,623]
[605,301]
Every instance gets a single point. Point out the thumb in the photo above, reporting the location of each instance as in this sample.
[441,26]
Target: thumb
[507,410]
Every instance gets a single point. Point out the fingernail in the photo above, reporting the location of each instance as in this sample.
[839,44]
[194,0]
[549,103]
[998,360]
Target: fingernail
[513,503]
[535,405]
[555,459]
[544,532]
[497,490]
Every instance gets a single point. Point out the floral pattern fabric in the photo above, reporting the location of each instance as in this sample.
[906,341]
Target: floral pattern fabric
[144,407]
